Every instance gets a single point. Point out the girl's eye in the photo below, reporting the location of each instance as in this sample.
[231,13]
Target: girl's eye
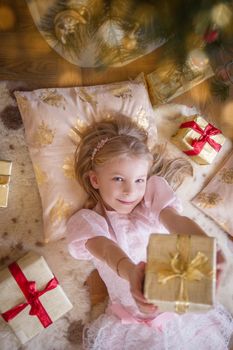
[118,179]
[140,181]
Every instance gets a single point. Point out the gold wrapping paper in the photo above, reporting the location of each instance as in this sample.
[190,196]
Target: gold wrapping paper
[181,272]
[167,81]
[4,192]
[54,301]
[216,198]
[5,172]
[184,137]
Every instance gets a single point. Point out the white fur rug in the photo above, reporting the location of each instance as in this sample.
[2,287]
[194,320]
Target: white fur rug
[22,227]
[21,230]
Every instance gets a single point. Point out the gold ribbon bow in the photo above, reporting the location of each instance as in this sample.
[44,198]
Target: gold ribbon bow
[180,267]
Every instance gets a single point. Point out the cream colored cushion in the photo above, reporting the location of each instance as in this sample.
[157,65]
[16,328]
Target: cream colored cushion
[50,117]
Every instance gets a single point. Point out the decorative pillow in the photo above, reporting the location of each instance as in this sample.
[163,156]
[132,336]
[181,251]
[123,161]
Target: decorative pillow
[216,199]
[50,117]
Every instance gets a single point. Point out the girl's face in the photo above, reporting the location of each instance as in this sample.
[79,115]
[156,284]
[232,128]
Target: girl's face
[121,182]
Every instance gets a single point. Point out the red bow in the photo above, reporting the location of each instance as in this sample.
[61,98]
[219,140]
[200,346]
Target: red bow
[32,296]
[206,134]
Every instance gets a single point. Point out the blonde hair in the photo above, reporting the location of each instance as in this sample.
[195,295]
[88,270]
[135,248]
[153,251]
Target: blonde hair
[116,136]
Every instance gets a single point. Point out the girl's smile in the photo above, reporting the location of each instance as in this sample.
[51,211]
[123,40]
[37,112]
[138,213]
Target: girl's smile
[126,203]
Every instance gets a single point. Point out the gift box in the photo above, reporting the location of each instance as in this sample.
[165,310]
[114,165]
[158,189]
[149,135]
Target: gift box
[168,81]
[5,172]
[215,199]
[180,272]
[199,139]
[31,298]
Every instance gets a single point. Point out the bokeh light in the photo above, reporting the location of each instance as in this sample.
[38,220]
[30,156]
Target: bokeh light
[197,60]
[221,15]
[7,18]
[227,119]
[70,78]
[201,94]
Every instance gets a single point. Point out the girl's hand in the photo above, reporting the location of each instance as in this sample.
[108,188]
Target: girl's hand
[136,281]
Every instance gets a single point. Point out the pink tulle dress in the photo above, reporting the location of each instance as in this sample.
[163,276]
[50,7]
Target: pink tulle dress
[123,326]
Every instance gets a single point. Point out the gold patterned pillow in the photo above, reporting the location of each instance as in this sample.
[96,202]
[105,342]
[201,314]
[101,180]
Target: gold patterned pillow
[216,199]
[50,117]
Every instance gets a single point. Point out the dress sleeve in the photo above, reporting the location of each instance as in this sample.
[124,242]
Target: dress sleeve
[160,195]
[83,225]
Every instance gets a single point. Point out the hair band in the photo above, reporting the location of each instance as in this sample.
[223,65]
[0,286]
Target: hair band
[99,145]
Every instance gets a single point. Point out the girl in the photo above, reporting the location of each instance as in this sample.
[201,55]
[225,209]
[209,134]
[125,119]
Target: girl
[126,203]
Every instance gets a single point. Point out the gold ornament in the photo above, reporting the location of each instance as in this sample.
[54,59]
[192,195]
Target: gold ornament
[65,22]
[197,60]
[129,42]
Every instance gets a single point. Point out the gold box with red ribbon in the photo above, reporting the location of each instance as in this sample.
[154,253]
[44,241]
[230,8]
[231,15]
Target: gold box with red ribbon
[199,139]
[31,298]
[180,273]
[5,173]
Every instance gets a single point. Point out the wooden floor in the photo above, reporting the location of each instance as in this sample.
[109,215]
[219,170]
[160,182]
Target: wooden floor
[26,56]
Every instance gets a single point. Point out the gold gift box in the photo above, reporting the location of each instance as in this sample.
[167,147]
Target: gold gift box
[180,273]
[167,81]
[54,301]
[185,136]
[5,172]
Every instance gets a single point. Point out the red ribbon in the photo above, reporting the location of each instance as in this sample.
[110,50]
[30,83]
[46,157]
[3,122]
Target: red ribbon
[206,134]
[32,296]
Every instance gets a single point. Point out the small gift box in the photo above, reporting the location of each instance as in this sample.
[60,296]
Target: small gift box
[199,139]
[31,298]
[168,81]
[181,272]
[216,197]
[5,172]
